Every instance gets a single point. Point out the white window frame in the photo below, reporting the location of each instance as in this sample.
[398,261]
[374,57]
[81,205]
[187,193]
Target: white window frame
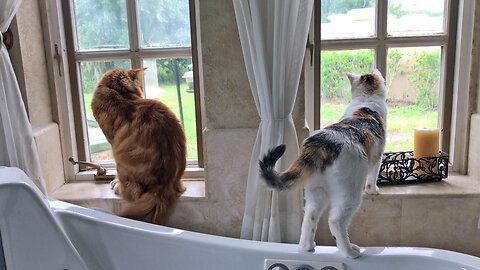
[463,93]
[63,65]
[449,75]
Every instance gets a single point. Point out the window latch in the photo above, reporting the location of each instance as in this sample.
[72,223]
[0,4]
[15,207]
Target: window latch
[100,169]
[310,47]
[58,57]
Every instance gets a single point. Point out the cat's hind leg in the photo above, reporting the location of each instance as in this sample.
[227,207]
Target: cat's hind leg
[127,188]
[345,194]
[131,190]
[341,213]
[316,200]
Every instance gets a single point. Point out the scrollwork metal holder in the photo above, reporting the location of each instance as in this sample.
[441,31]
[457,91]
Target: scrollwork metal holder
[402,167]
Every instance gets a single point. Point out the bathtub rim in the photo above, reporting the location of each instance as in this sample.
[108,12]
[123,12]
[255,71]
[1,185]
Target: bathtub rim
[63,209]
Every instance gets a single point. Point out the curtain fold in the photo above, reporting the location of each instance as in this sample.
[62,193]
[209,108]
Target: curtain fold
[273,36]
[17,145]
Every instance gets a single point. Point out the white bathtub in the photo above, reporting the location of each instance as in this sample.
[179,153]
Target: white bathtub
[38,233]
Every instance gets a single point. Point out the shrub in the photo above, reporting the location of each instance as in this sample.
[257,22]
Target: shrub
[93,71]
[335,64]
[166,69]
[425,76]
[423,68]
[393,65]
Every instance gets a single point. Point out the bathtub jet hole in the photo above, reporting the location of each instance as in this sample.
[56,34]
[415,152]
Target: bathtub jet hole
[329,268]
[305,267]
[278,266]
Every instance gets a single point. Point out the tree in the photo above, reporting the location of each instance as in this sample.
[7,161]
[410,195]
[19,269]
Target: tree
[102,24]
[329,7]
[166,69]
[165,23]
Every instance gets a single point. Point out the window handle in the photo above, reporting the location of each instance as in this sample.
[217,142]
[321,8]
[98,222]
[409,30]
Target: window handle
[58,57]
[100,169]
[310,47]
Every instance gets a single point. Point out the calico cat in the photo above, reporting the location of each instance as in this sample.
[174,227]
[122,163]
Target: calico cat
[337,162]
[148,145]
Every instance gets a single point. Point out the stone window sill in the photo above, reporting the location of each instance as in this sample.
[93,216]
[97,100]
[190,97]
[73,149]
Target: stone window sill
[82,192]
[455,186]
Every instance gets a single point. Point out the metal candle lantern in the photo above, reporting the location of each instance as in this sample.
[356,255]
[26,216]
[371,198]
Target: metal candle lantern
[402,167]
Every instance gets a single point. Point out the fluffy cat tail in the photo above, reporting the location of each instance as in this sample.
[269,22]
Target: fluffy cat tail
[297,173]
[151,208]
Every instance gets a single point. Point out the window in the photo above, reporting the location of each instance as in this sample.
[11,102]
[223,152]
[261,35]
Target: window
[102,35]
[411,42]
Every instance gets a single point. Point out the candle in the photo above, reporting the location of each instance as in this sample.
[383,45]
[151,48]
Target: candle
[425,144]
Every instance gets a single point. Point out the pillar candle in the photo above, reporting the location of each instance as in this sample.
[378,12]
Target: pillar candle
[426,144]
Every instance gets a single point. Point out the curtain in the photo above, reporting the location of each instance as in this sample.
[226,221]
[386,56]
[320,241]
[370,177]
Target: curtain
[273,36]
[17,146]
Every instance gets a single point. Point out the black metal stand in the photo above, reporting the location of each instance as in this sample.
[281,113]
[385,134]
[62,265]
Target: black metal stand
[402,167]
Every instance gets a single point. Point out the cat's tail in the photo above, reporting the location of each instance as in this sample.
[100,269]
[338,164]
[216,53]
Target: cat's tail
[152,208]
[297,173]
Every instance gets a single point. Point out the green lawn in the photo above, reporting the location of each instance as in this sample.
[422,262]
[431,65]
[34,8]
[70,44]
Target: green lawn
[400,124]
[169,98]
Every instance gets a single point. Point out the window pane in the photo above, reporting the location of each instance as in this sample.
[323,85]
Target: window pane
[334,84]
[413,17]
[413,82]
[164,23]
[101,24]
[91,73]
[347,19]
[170,80]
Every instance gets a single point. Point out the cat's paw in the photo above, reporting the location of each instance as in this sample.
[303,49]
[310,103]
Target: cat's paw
[372,189]
[307,247]
[353,252]
[115,185]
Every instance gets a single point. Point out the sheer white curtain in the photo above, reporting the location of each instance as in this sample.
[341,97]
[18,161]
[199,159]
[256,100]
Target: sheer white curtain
[17,146]
[273,35]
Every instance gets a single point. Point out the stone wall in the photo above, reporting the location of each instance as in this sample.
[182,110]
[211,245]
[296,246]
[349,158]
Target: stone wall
[30,65]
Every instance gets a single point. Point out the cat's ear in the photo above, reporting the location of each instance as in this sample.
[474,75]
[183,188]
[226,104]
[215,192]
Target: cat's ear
[139,70]
[351,77]
[137,73]
[377,72]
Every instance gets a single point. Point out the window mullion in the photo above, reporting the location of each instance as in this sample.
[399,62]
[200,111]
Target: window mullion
[381,32]
[448,75]
[102,55]
[317,65]
[414,41]
[180,52]
[381,59]
[133,32]
[346,44]
[381,20]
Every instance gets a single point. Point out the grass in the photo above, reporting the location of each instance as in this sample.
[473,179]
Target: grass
[401,119]
[400,124]
[169,98]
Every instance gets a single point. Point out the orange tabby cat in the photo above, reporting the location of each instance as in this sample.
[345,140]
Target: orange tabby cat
[148,145]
